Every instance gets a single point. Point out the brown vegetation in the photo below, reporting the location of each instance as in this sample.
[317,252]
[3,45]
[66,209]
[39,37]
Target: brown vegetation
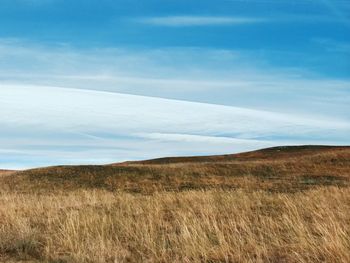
[6,172]
[283,169]
[275,205]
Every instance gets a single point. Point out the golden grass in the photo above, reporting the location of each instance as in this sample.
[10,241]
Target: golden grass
[190,226]
[286,174]
[276,205]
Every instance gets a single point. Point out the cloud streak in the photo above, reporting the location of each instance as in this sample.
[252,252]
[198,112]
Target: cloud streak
[181,21]
[236,78]
[50,125]
[201,21]
[59,105]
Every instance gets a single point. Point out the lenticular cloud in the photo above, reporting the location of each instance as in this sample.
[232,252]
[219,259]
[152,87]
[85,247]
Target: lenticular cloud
[51,125]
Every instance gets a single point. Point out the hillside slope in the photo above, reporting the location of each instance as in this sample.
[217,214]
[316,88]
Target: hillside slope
[281,169]
[285,204]
[279,153]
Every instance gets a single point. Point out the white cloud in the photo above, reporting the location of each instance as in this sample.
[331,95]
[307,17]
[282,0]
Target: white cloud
[176,21]
[193,21]
[190,138]
[45,120]
[50,125]
[235,78]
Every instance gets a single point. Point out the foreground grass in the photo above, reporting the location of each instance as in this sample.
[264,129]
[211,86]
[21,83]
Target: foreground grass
[285,204]
[96,225]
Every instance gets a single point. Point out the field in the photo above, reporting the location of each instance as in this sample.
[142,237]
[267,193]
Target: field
[285,204]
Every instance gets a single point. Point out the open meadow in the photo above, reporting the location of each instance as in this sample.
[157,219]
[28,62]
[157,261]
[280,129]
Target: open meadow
[286,204]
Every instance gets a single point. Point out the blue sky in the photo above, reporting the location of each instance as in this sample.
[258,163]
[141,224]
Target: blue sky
[268,56]
[308,34]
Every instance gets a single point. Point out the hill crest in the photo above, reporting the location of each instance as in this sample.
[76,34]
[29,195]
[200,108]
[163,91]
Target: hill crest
[263,154]
[279,169]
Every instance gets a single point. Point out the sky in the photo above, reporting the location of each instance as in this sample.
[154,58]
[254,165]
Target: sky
[94,82]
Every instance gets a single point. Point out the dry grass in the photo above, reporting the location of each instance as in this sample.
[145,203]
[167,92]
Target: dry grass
[193,226]
[294,209]
[279,172]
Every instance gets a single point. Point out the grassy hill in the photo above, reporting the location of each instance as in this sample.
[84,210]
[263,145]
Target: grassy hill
[283,204]
[280,152]
[281,169]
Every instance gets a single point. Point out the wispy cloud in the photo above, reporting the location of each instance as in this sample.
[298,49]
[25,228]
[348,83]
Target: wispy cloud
[196,21]
[180,21]
[49,125]
[333,45]
[206,75]
[45,120]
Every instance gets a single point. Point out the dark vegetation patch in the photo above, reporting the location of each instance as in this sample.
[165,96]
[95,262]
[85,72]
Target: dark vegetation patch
[324,180]
[264,154]
[291,169]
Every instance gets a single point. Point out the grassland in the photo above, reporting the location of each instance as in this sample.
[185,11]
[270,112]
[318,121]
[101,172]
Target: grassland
[276,205]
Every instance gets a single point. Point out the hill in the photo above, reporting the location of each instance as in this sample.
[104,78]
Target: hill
[282,169]
[282,204]
[280,152]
